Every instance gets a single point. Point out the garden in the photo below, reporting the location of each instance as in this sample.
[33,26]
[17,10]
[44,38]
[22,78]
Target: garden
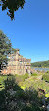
[23,93]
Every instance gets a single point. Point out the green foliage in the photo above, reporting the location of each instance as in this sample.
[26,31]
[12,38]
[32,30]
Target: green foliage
[36,82]
[2,79]
[47,72]
[46,77]
[13,98]
[21,78]
[5,48]
[40,64]
[26,76]
[12,6]
[34,74]
[24,82]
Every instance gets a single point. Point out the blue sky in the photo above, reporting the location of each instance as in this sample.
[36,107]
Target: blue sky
[30,30]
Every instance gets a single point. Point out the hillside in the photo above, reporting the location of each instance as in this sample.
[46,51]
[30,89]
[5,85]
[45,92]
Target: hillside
[40,64]
[24,92]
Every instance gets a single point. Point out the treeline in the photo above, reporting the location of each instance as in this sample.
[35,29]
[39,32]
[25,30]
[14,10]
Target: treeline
[40,64]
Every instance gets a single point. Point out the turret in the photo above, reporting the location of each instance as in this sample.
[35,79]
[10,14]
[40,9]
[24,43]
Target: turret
[17,51]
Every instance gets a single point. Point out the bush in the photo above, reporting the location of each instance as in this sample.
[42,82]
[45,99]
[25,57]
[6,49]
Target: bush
[26,76]
[46,77]
[33,74]
[47,72]
[13,98]
[21,78]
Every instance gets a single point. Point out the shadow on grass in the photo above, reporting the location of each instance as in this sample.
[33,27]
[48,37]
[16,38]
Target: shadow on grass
[13,98]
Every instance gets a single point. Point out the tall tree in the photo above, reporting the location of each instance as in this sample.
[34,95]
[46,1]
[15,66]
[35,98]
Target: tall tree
[5,49]
[12,6]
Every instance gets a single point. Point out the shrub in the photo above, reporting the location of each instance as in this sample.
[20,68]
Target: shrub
[13,98]
[26,76]
[33,74]
[21,78]
[46,77]
[47,72]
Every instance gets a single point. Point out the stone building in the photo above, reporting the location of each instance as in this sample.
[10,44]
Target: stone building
[17,64]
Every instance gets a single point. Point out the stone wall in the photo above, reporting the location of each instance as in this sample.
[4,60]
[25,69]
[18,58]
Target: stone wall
[17,64]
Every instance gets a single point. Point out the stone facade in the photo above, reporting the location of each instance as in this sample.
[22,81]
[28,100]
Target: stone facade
[17,64]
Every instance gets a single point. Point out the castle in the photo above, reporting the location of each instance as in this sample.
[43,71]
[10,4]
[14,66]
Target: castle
[17,64]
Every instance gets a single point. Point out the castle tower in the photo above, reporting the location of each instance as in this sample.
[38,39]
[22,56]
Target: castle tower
[17,64]
[17,51]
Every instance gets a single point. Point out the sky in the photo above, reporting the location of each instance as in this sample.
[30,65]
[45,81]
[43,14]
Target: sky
[30,30]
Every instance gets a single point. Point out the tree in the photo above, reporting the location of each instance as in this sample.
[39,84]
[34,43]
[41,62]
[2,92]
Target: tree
[5,49]
[12,6]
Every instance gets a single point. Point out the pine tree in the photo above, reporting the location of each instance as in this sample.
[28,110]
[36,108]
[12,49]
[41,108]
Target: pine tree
[5,49]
